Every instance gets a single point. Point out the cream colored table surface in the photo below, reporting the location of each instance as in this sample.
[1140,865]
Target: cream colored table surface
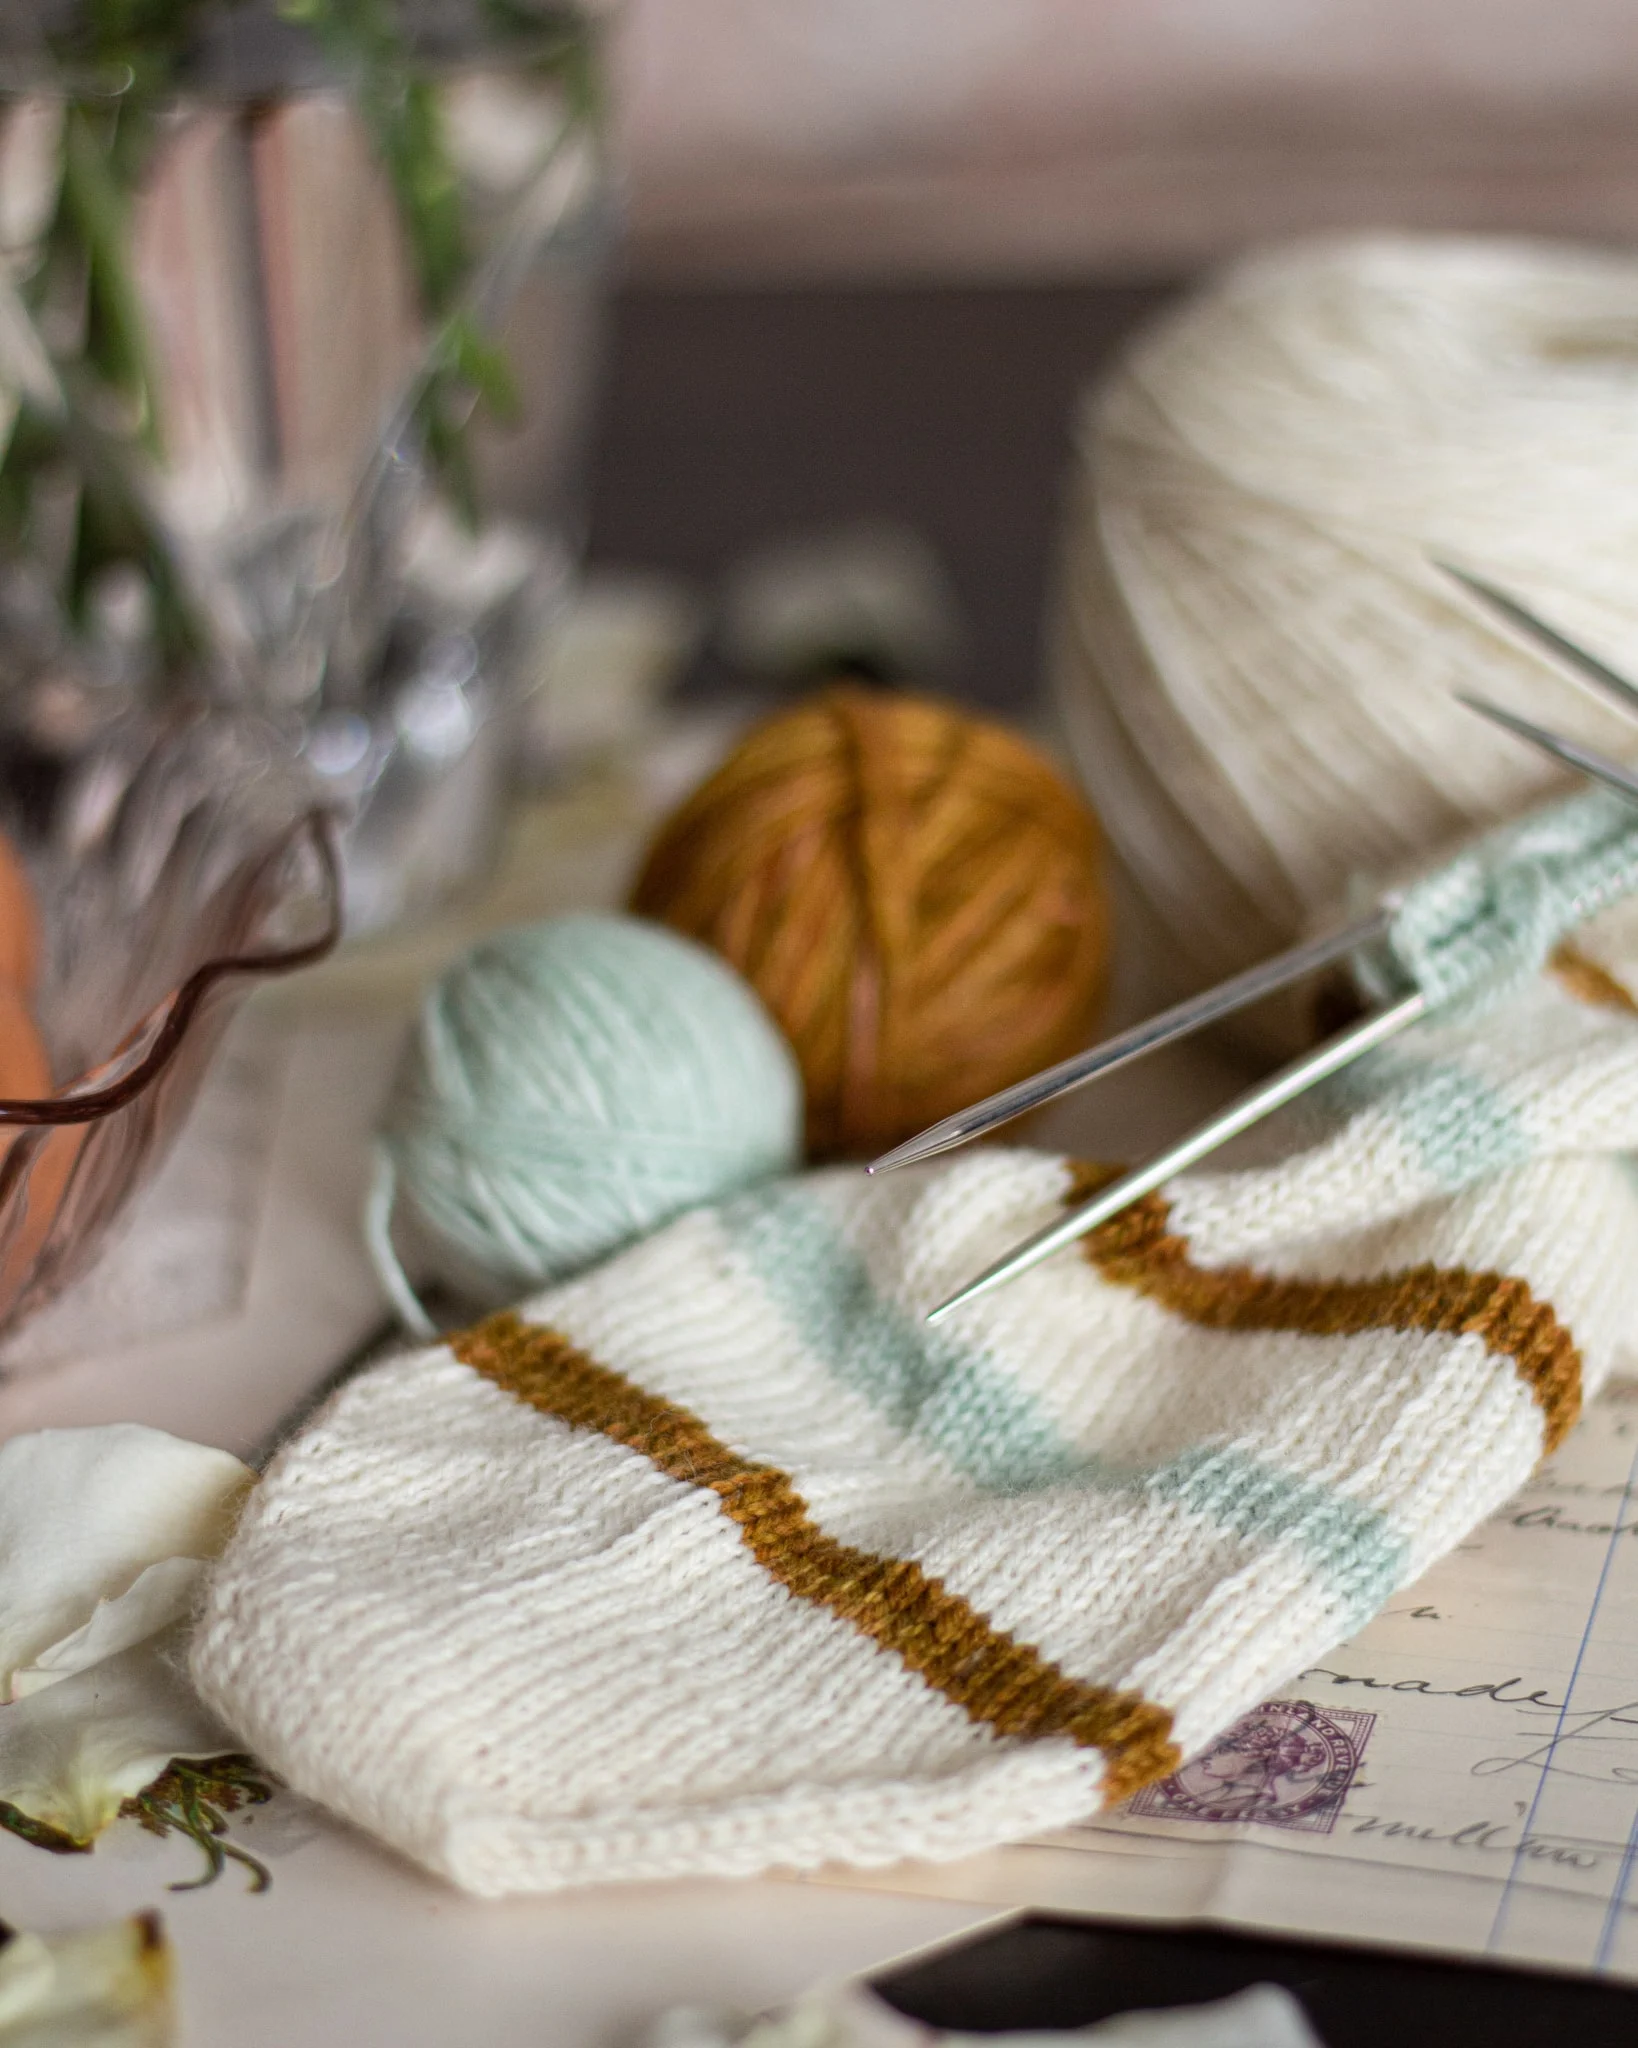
[238,1289]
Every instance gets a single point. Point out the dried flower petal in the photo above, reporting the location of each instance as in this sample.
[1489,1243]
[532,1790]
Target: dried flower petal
[109,1985]
[162,1594]
[101,1531]
[72,1754]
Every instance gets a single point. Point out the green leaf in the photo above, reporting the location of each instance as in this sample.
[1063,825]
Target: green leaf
[194,1799]
[116,338]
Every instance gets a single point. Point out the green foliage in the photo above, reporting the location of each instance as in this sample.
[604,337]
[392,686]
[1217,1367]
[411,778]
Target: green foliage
[118,59]
[195,1799]
[365,43]
[120,62]
[192,1799]
[93,225]
[39,1834]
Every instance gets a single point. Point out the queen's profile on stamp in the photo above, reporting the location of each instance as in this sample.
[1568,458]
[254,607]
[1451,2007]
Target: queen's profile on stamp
[1286,1764]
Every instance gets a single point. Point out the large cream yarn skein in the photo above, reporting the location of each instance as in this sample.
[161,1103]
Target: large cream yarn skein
[1254,653]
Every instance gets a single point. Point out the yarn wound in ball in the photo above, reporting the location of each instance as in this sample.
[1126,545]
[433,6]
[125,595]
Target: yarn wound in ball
[916,894]
[1256,650]
[569,1086]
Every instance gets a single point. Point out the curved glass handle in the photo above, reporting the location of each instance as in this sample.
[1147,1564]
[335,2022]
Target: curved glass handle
[149,1049]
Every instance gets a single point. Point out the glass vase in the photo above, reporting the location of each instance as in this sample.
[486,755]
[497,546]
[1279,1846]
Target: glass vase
[297,323]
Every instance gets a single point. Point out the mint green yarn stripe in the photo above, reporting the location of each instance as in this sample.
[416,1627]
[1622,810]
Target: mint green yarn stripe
[921,1381]
[1461,1127]
[1458,1125]
[998,1435]
[1489,918]
[1361,1556]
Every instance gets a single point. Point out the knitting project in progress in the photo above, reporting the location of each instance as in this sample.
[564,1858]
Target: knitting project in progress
[718,1558]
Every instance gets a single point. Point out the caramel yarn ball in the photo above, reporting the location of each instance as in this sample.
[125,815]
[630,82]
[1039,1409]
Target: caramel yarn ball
[916,894]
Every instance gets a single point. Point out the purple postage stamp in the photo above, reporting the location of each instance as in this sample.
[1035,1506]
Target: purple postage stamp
[1287,1764]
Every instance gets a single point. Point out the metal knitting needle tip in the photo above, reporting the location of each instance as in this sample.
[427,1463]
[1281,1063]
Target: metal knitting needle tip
[1609,680]
[1587,762]
[1267,977]
[1248,1109]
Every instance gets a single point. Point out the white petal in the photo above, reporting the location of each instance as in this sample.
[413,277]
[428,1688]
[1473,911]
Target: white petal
[85,1512]
[73,1753]
[28,1977]
[162,1594]
[107,1985]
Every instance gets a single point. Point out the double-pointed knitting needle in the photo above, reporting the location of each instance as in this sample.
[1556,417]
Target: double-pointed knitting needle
[1264,979]
[1240,1115]
[1267,977]
[1612,683]
[1291,1080]
[1571,752]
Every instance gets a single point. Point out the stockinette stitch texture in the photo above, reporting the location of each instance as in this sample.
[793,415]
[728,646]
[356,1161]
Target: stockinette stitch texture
[718,1558]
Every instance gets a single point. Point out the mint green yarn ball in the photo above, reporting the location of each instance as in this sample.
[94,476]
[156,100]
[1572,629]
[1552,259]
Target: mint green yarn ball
[570,1086]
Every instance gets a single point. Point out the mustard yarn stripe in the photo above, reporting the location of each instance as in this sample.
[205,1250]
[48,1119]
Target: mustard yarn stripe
[1007,1685]
[1582,977]
[1139,1249]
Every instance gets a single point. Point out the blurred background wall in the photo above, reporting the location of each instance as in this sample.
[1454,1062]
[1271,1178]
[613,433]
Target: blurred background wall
[875,248]
[791,139]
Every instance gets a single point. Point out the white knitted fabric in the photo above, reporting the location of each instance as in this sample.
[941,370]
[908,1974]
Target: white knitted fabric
[720,1558]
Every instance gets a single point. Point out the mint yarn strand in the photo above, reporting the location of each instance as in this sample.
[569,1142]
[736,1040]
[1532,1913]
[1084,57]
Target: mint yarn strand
[1482,925]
